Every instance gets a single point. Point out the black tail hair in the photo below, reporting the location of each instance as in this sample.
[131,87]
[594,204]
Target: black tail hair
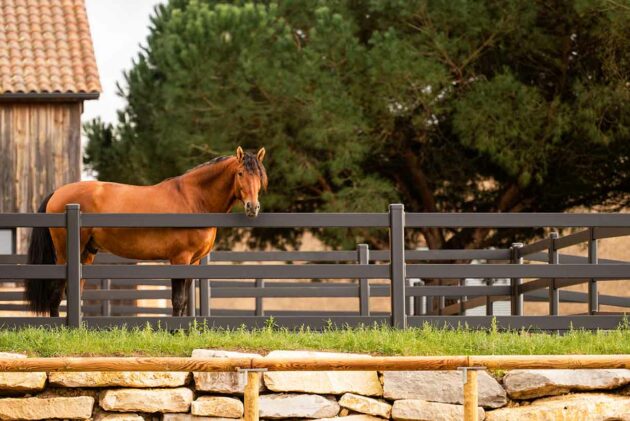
[38,292]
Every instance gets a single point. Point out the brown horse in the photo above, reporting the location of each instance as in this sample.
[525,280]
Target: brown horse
[211,187]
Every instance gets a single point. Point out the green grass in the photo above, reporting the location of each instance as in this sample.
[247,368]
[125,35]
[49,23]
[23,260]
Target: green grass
[376,340]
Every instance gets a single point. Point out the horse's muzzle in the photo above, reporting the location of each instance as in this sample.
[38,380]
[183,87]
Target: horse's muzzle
[252,209]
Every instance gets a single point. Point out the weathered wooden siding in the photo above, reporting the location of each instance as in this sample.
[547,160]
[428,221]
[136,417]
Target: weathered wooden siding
[40,150]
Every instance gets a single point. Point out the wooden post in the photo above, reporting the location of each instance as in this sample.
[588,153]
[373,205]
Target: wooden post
[252,388]
[470,395]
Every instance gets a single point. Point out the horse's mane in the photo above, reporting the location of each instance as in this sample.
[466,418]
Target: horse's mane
[207,163]
[250,162]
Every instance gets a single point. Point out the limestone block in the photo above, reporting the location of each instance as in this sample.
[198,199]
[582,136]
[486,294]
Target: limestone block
[583,406]
[419,410]
[220,382]
[356,417]
[322,382]
[119,417]
[218,406]
[297,406]
[118,379]
[528,384]
[79,407]
[190,417]
[21,382]
[441,386]
[365,405]
[146,400]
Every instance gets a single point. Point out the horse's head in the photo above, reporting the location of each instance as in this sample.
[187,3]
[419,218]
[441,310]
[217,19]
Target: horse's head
[249,178]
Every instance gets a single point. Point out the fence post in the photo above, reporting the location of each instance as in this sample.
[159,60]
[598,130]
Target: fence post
[554,292]
[204,291]
[363,256]
[409,300]
[515,283]
[106,305]
[260,310]
[593,300]
[397,264]
[73,265]
[489,302]
[192,299]
[420,304]
[417,303]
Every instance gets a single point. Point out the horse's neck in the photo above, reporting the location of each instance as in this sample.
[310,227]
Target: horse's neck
[210,188]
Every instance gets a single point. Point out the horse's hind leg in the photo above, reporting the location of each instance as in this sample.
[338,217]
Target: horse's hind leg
[59,286]
[178,296]
[179,288]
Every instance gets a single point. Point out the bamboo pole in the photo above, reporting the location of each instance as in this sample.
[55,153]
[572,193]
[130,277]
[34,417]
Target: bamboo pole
[312,364]
[252,389]
[471,396]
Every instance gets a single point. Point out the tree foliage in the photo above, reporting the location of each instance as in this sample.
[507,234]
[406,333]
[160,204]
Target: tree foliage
[443,105]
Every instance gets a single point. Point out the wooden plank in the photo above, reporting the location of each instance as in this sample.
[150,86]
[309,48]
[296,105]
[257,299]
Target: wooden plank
[40,146]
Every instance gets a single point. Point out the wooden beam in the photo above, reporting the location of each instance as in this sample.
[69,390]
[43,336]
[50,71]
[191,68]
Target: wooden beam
[313,364]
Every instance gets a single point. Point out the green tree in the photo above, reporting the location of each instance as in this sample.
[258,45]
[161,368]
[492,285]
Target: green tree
[443,105]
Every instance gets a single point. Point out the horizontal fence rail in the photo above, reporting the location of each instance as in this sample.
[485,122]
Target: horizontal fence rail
[422,286]
[341,363]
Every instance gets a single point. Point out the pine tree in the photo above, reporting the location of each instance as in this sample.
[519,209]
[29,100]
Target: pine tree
[443,105]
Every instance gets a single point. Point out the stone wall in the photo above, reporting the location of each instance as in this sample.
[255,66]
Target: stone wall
[348,396]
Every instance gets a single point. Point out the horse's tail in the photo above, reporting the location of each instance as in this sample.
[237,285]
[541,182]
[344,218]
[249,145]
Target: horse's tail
[38,292]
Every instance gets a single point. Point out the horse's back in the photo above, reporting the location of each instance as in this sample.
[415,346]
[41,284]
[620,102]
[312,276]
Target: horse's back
[107,197]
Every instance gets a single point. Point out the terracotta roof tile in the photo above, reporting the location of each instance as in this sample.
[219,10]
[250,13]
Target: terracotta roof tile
[45,47]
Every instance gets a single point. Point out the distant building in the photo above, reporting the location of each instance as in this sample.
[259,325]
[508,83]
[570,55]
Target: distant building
[47,70]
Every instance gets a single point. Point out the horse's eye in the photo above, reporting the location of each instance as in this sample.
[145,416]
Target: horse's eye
[240,173]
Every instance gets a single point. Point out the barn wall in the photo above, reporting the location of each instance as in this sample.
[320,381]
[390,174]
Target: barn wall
[40,150]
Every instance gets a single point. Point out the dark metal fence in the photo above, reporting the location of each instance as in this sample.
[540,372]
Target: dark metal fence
[412,303]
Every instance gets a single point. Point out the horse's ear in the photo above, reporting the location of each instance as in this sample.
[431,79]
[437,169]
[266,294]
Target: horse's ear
[239,154]
[260,155]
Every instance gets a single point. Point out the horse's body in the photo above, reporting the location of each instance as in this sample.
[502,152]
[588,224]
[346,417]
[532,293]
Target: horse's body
[212,187]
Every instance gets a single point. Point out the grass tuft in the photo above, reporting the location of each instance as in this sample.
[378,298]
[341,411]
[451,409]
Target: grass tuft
[377,340]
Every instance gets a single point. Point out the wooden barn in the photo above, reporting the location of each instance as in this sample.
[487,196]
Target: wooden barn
[47,70]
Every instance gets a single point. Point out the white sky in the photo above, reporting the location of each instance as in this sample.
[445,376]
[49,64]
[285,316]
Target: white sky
[118,28]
